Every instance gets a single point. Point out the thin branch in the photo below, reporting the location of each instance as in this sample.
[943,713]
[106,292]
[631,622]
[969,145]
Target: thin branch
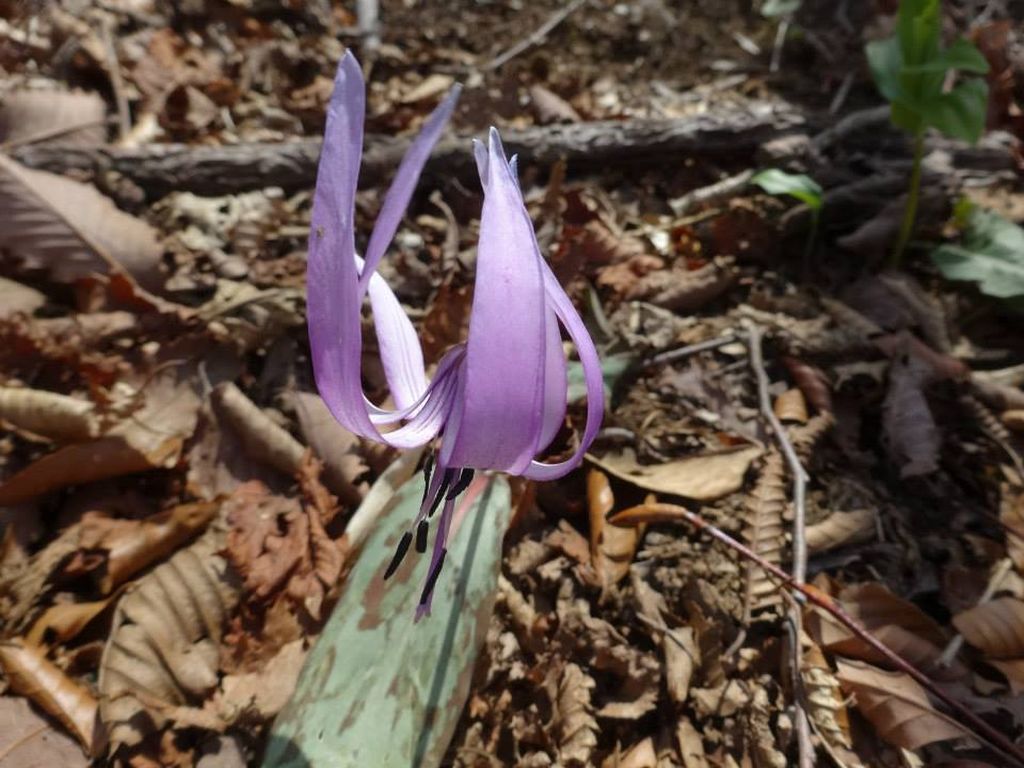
[664,513]
[722,188]
[124,117]
[756,352]
[701,346]
[534,37]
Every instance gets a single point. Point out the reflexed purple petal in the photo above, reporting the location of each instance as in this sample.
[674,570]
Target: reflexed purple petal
[592,375]
[503,394]
[556,384]
[404,183]
[335,294]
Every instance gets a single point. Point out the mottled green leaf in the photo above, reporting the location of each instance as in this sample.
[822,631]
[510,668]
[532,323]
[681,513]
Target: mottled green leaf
[992,255]
[803,188]
[613,367]
[378,689]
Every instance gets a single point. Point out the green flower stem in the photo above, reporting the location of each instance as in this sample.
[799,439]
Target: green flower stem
[910,212]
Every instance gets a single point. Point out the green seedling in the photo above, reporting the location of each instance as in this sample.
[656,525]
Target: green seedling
[913,72]
[991,254]
[803,188]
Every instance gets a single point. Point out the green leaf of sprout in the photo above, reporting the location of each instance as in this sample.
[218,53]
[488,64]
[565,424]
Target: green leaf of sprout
[991,255]
[803,188]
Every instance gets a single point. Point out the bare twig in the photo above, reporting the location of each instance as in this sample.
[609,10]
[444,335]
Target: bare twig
[368,13]
[722,188]
[534,37]
[50,133]
[852,123]
[124,117]
[780,41]
[663,513]
[701,346]
[754,347]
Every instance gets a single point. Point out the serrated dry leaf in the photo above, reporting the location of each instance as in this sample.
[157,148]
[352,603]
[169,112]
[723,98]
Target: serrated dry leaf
[52,115]
[48,413]
[701,478]
[764,533]
[67,227]
[612,547]
[16,298]
[897,706]
[30,674]
[163,649]
[574,723]
[28,740]
[841,529]
[912,436]
[150,438]
[996,627]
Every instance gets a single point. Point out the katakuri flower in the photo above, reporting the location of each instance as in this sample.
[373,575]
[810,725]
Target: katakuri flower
[496,401]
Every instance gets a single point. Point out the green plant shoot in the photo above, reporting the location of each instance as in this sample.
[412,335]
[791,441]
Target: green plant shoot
[803,188]
[911,70]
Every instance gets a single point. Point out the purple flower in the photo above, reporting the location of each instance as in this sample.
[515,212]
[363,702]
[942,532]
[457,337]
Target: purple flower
[497,400]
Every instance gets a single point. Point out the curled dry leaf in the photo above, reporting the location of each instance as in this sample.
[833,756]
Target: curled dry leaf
[549,107]
[826,704]
[163,649]
[575,726]
[30,674]
[150,438]
[702,478]
[805,437]
[841,529]
[128,546]
[63,621]
[48,413]
[996,394]
[262,438]
[682,290]
[1011,514]
[897,706]
[791,407]
[72,230]
[812,381]
[334,445]
[29,740]
[1013,420]
[764,533]
[912,436]
[682,656]
[996,627]
[611,547]
[61,117]
[16,298]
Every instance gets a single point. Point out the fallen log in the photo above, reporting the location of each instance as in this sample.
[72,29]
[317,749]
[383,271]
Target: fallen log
[161,168]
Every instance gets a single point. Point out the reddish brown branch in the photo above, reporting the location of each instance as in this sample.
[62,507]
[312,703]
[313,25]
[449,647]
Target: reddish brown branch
[660,513]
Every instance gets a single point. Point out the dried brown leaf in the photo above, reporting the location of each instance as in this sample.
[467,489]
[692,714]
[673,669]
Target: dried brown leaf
[51,115]
[334,445]
[71,229]
[29,740]
[128,546]
[897,706]
[1011,514]
[1013,420]
[16,298]
[262,693]
[996,627]
[826,704]
[912,436]
[640,755]
[163,649]
[691,745]
[549,107]
[48,413]
[150,438]
[682,290]
[575,726]
[806,437]
[30,674]
[791,407]
[682,657]
[612,548]
[841,529]
[702,478]
[812,381]
[262,438]
[63,621]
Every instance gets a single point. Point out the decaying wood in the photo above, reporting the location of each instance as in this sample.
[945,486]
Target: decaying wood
[159,169]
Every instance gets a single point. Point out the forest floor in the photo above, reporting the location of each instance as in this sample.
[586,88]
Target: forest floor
[178,507]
